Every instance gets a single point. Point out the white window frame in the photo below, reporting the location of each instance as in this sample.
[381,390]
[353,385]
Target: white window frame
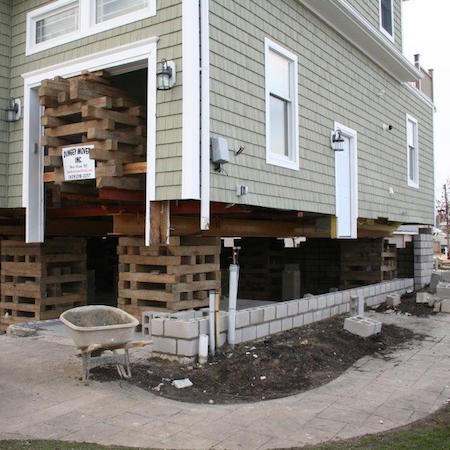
[133,56]
[391,37]
[412,183]
[291,161]
[87,25]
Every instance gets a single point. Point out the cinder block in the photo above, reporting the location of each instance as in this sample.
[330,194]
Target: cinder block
[297,321]
[286,324]
[281,310]
[443,290]
[256,316]
[157,327]
[393,300]
[164,345]
[249,333]
[345,297]
[269,313]
[423,297]
[184,329]
[312,304]
[242,319]
[302,306]
[238,336]
[338,298]
[292,307]
[362,326]
[308,318]
[203,326]
[262,330]
[330,300]
[187,348]
[326,313]
[223,322]
[335,310]
[343,308]
[317,315]
[275,326]
[445,306]
[321,302]
[222,339]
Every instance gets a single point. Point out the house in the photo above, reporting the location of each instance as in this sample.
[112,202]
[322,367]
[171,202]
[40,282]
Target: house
[270,119]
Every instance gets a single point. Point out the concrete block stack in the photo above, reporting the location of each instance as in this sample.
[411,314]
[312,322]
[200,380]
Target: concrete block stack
[423,258]
[175,336]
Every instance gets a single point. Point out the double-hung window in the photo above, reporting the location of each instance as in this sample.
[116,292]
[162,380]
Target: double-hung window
[281,106]
[387,18]
[62,21]
[412,148]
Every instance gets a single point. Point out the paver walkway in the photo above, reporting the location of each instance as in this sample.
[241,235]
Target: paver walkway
[41,397]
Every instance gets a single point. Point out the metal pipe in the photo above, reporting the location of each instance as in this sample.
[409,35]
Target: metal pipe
[232,301]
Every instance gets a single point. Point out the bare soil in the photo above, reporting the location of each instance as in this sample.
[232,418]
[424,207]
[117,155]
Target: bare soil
[409,305]
[274,367]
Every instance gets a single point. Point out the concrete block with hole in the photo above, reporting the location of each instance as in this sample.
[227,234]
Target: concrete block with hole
[423,297]
[443,290]
[362,326]
[445,306]
[393,300]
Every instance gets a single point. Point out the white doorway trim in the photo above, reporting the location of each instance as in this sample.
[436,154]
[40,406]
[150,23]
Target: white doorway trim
[353,137]
[135,55]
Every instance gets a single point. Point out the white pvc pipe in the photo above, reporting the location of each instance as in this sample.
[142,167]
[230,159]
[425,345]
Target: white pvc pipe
[203,349]
[232,301]
[205,118]
[212,331]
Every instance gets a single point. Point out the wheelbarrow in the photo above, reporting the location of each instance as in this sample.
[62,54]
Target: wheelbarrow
[99,328]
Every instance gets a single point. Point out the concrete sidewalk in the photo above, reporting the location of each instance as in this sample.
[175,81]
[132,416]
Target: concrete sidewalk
[41,397]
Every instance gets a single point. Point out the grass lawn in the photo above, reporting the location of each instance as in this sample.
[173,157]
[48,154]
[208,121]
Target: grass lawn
[431,433]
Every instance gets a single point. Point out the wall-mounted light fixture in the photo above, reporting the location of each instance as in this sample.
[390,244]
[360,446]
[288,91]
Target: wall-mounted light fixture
[337,141]
[13,110]
[166,76]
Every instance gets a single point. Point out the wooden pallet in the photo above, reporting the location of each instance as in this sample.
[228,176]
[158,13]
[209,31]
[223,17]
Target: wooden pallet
[367,261]
[89,110]
[167,278]
[40,281]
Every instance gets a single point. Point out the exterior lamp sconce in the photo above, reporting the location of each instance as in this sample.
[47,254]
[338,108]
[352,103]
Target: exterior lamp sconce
[166,76]
[337,141]
[13,110]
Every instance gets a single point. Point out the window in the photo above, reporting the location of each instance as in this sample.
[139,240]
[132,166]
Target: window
[387,18]
[281,106]
[62,21]
[412,149]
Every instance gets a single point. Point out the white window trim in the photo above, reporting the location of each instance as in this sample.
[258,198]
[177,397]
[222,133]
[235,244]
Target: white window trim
[136,55]
[353,136]
[86,20]
[412,183]
[271,158]
[391,37]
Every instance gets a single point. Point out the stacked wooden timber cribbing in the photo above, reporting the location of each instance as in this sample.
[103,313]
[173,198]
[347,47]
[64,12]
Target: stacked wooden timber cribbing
[40,281]
[367,261]
[167,277]
[89,110]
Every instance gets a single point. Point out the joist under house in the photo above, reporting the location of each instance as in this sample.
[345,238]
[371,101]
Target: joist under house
[138,135]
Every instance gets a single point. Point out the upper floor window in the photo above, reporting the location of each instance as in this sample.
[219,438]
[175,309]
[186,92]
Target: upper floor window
[412,148]
[63,21]
[387,18]
[281,106]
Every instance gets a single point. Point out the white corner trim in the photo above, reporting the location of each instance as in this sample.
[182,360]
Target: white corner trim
[391,37]
[205,211]
[350,24]
[86,23]
[292,162]
[353,135]
[412,183]
[190,161]
[131,56]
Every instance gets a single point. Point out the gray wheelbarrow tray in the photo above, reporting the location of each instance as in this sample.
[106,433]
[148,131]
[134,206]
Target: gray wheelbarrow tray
[97,328]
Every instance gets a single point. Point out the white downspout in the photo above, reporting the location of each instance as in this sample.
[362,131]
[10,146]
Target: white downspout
[205,117]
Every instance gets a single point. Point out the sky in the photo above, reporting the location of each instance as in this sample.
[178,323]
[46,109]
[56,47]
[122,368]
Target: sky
[426,30]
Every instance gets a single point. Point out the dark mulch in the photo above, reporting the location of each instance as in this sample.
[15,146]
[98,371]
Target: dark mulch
[409,305]
[278,366]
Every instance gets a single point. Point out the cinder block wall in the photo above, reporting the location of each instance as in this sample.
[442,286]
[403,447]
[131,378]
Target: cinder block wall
[175,336]
[423,258]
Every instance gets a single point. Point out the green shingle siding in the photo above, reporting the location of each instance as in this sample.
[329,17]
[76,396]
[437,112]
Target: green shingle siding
[336,82]
[167,24]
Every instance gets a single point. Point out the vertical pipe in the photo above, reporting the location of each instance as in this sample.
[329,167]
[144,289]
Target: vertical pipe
[205,118]
[203,349]
[212,332]
[233,289]
[216,318]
